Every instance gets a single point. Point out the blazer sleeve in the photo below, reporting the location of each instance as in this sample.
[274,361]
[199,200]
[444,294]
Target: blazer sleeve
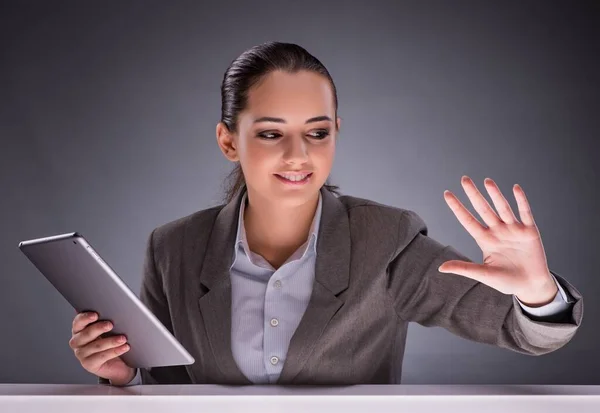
[153,296]
[465,307]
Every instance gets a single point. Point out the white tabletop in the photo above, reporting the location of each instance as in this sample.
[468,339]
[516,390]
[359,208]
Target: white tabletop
[66,398]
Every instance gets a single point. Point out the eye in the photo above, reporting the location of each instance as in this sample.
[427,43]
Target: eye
[321,134]
[268,135]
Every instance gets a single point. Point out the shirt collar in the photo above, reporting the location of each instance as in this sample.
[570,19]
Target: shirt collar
[312,237]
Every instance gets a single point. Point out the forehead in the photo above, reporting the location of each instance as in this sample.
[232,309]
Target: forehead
[293,96]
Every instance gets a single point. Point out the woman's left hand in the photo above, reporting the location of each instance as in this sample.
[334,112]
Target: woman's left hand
[514,261]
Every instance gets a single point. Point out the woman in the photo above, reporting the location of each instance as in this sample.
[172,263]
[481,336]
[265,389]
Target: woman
[288,282]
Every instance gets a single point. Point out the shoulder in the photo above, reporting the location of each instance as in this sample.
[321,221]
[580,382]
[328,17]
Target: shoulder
[387,220]
[173,232]
[365,217]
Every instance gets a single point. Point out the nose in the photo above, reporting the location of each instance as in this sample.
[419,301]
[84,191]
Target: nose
[295,151]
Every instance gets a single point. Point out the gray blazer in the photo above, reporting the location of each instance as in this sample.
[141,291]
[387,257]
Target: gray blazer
[376,271]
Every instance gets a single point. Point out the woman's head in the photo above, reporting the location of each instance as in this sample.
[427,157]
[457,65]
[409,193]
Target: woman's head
[290,87]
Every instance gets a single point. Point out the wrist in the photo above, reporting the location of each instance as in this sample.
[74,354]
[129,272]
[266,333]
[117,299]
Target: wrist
[127,379]
[541,296]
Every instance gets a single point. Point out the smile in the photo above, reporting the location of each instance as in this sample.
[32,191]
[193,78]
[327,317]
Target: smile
[294,180]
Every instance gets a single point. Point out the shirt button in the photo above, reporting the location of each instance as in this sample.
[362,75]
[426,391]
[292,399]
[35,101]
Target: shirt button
[274,360]
[277,284]
[274,322]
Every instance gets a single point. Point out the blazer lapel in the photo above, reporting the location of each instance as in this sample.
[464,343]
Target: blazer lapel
[215,305]
[332,269]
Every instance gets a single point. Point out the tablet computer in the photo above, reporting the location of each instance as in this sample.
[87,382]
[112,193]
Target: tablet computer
[88,283]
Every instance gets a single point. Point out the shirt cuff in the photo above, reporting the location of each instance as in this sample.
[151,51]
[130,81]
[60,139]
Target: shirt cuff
[137,379]
[558,305]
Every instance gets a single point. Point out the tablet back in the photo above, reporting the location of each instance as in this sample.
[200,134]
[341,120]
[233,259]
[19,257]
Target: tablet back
[70,263]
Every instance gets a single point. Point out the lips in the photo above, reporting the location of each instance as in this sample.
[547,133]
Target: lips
[296,175]
[301,182]
[293,173]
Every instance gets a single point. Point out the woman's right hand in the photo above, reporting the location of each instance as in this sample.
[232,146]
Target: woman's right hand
[100,355]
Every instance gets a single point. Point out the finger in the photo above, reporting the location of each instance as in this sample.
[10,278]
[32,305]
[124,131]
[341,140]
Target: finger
[500,202]
[523,205]
[100,345]
[480,204]
[89,334]
[81,320]
[477,272]
[96,360]
[467,220]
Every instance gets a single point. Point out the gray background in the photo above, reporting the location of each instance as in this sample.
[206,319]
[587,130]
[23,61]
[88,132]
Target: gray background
[108,113]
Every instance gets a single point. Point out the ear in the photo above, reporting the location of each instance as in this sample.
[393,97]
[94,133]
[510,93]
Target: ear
[338,123]
[226,142]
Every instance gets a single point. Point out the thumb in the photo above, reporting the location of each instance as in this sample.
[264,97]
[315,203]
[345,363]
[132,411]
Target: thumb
[467,269]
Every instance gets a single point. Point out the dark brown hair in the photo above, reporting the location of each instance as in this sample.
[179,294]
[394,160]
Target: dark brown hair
[247,70]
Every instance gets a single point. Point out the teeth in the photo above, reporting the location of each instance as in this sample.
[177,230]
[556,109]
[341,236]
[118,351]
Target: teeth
[294,178]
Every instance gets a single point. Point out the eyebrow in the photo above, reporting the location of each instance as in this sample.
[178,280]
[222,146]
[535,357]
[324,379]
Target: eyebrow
[280,120]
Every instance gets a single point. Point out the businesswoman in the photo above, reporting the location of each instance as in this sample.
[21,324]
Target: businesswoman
[289,282]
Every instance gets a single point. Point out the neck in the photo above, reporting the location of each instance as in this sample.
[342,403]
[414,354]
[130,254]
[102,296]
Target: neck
[272,226]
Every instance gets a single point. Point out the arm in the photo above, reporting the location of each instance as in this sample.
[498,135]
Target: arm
[465,307]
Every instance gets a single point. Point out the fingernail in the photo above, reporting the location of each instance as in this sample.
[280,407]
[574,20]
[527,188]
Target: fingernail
[92,316]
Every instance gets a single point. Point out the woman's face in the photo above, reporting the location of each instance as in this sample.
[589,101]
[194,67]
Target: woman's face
[298,137]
